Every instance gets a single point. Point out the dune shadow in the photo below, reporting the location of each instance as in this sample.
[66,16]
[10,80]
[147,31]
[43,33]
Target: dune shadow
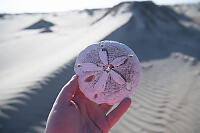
[2,15]
[41,24]
[154,32]
[89,12]
[32,110]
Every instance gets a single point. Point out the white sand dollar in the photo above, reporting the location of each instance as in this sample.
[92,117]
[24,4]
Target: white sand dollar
[108,72]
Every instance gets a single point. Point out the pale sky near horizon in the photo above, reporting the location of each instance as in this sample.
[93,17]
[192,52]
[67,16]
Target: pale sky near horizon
[21,6]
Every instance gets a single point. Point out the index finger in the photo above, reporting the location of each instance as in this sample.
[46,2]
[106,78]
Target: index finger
[115,114]
[68,90]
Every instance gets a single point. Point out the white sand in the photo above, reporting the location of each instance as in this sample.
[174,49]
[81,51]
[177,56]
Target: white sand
[34,66]
[27,56]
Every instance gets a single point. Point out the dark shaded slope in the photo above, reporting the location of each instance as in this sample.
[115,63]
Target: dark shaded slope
[41,24]
[2,15]
[30,111]
[155,32]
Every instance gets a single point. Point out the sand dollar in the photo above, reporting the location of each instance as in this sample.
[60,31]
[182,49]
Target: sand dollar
[108,72]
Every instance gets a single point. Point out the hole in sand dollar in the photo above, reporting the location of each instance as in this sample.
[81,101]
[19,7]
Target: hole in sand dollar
[89,78]
[104,49]
[128,87]
[95,95]
[78,65]
[101,45]
[130,55]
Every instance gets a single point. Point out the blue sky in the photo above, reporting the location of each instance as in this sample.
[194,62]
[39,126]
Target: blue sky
[20,6]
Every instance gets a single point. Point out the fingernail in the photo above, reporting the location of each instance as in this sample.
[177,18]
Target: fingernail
[75,76]
[127,98]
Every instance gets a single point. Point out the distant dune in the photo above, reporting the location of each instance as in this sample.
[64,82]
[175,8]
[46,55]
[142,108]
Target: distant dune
[34,66]
[41,24]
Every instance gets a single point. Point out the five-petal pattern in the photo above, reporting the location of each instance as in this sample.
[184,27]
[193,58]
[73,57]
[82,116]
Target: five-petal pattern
[106,68]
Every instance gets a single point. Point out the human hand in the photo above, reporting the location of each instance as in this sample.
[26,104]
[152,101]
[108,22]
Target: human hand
[72,112]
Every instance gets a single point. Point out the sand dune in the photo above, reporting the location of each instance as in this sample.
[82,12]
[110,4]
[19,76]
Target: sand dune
[41,24]
[34,66]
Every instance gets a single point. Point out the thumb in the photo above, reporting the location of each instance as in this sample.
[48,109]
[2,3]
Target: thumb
[68,90]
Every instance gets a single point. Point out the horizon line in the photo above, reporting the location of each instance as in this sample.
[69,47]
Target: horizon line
[47,12]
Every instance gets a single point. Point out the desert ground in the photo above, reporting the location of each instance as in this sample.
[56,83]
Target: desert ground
[38,50]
